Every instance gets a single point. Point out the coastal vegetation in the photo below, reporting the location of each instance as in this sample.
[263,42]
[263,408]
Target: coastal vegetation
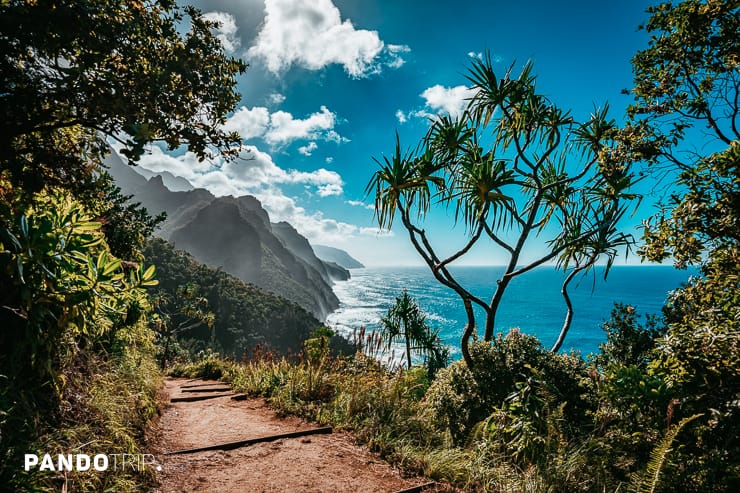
[405,323]
[92,309]
[657,408]
[76,347]
[242,316]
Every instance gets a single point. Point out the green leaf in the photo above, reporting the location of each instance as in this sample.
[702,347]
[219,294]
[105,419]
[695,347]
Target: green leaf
[80,227]
[149,273]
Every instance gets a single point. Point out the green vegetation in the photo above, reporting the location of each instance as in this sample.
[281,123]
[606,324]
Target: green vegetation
[406,323]
[522,419]
[243,317]
[77,367]
[657,409]
[67,79]
[84,316]
[77,353]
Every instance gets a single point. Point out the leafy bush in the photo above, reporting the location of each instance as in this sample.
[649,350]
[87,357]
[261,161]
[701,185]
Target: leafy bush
[76,352]
[628,342]
[461,397]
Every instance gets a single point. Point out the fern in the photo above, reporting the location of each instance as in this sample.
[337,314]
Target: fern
[648,482]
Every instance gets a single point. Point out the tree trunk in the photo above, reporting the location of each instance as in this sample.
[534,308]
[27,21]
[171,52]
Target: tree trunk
[408,346]
[568,316]
[495,302]
[467,333]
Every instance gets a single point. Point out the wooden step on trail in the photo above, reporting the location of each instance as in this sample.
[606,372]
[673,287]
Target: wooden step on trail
[194,398]
[418,488]
[210,389]
[251,441]
[200,385]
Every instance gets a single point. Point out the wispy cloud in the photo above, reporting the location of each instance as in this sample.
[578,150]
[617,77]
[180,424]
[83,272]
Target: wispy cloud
[276,98]
[360,203]
[373,231]
[311,34]
[307,150]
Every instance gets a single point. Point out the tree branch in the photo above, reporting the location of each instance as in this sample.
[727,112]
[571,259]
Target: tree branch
[708,113]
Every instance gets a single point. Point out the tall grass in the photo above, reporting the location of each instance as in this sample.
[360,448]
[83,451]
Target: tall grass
[104,405]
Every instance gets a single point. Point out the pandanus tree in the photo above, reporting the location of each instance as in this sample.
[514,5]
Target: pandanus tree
[406,322]
[512,167]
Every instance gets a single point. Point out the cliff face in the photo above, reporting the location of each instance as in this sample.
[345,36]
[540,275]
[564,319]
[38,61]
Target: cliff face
[300,246]
[236,235]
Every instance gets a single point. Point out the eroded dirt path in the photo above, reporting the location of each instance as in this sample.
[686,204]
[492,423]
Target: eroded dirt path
[315,463]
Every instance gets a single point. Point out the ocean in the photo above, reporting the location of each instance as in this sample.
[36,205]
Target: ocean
[532,302]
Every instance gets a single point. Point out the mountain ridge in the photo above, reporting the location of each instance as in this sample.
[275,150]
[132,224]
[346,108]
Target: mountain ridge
[337,256]
[236,235]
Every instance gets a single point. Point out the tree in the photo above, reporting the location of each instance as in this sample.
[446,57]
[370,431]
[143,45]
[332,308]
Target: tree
[75,72]
[74,75]
[179,314]
[687,96]
[688,76]
[512,167]
[406,322]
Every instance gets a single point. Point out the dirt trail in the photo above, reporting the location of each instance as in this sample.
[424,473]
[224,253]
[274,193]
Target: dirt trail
[315,463]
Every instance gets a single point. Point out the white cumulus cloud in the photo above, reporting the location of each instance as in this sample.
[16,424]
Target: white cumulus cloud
[285,128]
[447,100]
[226,32]
[312,34]
[281,127]
[252,171]
[249,122]
[439,100]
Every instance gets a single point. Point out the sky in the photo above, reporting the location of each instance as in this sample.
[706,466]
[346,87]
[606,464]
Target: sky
[330,82]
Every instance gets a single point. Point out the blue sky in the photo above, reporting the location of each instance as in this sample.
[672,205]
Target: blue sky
[331,81]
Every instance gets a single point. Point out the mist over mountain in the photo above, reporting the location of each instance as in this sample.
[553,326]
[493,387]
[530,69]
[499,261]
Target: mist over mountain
[174,183]
[337,257]
[236,235]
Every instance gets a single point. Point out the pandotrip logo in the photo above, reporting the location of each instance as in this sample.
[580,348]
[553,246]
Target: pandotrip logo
[86,462]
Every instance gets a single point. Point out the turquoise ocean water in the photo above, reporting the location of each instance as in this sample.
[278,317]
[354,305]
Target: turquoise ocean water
[532,302]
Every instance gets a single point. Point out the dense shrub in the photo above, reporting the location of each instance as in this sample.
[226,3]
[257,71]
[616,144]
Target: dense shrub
[628,343]
[76,354]
[461,397]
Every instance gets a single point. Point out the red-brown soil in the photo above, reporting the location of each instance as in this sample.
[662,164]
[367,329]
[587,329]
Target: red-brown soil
[315,463]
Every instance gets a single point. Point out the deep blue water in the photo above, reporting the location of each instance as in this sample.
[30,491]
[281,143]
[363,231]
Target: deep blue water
[532,302]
